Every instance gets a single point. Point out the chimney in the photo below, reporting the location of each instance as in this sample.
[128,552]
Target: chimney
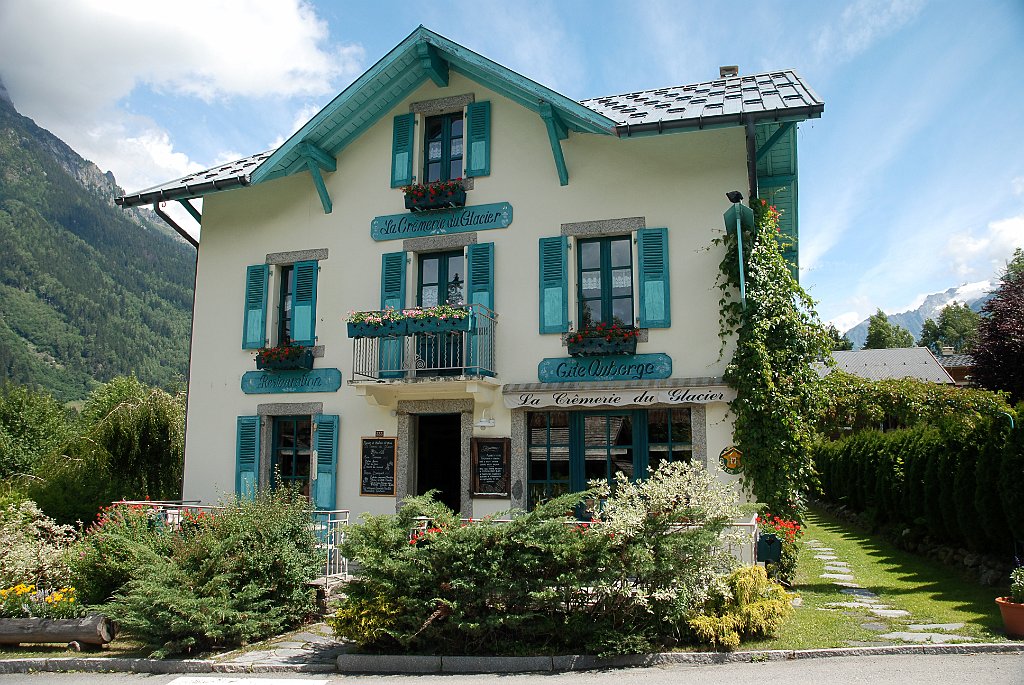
[724,72]
[945,351]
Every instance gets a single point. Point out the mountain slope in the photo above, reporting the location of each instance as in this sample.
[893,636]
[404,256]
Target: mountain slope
[87,291]
[973,295]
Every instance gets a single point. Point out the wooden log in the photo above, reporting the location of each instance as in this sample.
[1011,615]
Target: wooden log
[94,629]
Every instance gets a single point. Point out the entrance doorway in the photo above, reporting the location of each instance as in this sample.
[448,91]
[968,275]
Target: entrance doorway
[439,457]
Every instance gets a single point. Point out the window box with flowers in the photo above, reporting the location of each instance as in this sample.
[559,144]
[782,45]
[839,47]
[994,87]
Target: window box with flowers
[377,324]
[420,197]
[286,357]
[602,339]
[440,319]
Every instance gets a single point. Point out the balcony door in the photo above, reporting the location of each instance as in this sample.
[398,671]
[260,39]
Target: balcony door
[441,280]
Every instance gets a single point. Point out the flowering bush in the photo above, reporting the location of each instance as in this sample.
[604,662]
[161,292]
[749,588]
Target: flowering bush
[33,547]
[1017,585]
[436,190]
[789,534]
[25,601]
[626,581]
[288,351]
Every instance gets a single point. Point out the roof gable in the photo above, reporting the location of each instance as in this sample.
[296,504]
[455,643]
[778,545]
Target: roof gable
[422,55]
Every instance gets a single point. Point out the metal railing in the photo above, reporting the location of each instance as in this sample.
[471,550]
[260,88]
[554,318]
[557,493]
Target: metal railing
[430,354]
[329,527]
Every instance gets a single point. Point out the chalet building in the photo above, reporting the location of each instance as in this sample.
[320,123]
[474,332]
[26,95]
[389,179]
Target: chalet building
[549,217]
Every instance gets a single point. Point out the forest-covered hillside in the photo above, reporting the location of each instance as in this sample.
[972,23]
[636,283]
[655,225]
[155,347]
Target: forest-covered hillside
[87,291]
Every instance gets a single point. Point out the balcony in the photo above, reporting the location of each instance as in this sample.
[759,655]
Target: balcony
[420,352]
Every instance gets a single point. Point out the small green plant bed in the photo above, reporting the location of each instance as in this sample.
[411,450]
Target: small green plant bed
[931,592]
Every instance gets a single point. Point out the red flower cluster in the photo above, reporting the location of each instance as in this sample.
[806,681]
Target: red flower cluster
[786,530]
[608,332]
[420,535]
[285,352]
[421,191]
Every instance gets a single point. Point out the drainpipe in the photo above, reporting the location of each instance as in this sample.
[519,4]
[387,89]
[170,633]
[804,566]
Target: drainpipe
[751,158]
[1009,416]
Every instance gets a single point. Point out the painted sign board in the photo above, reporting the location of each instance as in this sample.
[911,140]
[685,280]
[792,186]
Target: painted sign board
[619,397]
[313,380]
[618,367]
[377,466]
[441,222]
[731,460]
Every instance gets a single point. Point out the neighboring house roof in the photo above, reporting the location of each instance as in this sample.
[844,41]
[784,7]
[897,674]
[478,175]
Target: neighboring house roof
[771,100]
[955,361]
[903,362]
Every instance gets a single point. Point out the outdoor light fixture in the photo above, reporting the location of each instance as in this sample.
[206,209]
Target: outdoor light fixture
[737,218]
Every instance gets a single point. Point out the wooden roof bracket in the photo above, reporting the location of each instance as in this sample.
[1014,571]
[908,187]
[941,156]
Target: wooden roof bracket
[557,132]
[433,64]
[775,138]
[316,159]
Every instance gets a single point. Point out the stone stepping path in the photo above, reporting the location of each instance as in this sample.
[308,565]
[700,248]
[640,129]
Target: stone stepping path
[869,605]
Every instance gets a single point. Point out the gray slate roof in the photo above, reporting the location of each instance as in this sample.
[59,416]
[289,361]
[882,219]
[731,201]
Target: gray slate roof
[223,177]
[956,360]
[777,95]
[904,362]
[772,96]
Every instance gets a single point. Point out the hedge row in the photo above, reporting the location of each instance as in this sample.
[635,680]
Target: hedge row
[967,488]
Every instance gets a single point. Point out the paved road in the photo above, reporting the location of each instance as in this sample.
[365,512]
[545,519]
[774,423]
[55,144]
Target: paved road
[985,669]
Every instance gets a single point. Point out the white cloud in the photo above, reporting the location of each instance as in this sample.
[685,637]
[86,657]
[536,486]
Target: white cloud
[860,25]
[305,113]
[846,320]
[972,255]
[1017,185]
[72,64]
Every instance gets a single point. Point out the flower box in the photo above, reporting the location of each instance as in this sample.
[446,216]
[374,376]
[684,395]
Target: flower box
[269,361]
[432,324]
[373,330]
[593,347]
[440,200]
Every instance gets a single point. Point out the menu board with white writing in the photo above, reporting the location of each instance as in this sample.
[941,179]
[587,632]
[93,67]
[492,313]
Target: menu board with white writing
[377,469]
[491,466]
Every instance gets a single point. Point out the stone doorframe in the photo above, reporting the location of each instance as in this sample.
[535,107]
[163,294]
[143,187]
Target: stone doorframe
[405,476]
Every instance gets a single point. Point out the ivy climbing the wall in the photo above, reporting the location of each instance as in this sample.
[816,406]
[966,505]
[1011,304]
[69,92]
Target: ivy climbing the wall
[778,335]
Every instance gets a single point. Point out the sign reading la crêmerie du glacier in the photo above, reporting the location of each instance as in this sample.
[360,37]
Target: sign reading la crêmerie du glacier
[441,221]
[314,380]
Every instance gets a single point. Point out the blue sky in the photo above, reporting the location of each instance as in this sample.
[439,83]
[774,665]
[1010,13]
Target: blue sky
[912,182]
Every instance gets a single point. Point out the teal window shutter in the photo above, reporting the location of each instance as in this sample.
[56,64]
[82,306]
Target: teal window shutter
[554,285]
[478,139]
[247,456]
[655,306]
[480,274]
[325,446]
[392,294]
[304,303]
[254,326]
[401,150]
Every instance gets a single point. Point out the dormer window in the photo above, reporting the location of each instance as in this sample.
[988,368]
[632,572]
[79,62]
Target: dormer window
[443,148]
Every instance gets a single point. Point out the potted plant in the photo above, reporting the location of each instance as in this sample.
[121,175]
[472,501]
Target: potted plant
[376,324]
[440,319]
[285,357]
[1012,606]
[602,339]
[421,197]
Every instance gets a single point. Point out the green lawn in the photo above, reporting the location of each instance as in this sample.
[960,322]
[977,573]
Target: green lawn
[931,592]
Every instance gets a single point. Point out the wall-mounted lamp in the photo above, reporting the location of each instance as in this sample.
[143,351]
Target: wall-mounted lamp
[483,422]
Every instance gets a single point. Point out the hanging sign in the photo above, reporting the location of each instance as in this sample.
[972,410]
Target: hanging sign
[441,221]
[314,380]
[619,367]
[731,460]
[620,397]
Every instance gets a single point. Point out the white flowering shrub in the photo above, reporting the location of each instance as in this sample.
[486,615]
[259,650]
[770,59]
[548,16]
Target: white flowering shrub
[33,547]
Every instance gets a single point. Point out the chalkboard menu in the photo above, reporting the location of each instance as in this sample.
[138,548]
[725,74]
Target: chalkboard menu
[491,466]
[377,470]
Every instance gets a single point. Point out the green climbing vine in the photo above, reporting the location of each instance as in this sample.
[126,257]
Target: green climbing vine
[778,335]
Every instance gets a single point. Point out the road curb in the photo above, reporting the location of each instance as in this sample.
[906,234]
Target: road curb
[412,664]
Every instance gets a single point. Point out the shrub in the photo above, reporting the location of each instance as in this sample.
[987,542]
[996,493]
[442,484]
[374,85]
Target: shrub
[224,580]
[33,547]
[748,605]
[543,581]
[789,534]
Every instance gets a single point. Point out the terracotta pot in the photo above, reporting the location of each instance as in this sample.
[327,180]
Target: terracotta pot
[1013,616]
